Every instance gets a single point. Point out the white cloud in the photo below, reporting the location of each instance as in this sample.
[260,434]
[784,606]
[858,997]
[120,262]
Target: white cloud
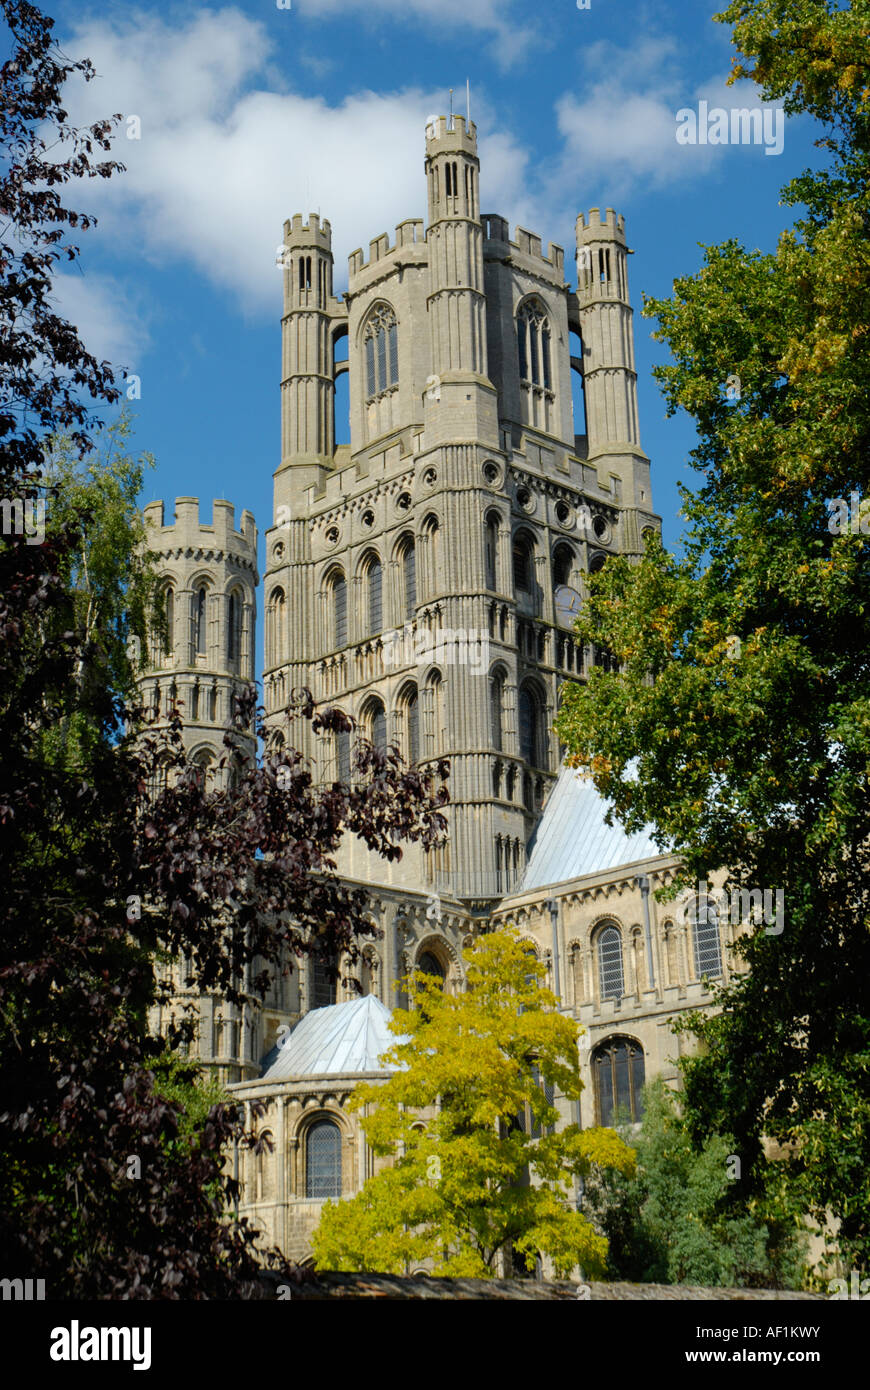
[506,21]
[227,153]
[622,132]
[111,320]
[218,168]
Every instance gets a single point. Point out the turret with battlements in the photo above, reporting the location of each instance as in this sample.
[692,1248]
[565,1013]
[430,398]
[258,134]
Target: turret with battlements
[209,581]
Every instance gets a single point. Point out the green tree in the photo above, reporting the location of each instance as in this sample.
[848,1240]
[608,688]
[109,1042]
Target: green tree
[680,1218]
[489,1173]
[738,722]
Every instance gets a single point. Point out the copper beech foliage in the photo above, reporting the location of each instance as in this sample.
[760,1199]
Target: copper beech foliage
[229,879]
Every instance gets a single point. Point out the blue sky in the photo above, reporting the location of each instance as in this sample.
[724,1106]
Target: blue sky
[251,112]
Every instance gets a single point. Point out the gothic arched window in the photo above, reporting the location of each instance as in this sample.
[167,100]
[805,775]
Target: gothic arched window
[275,620]
[338,595]
[496,709]
[381,351]
[199,621]
[409,579]
[234,626]
[376,721]
[432,531]
[411,713]
[375,594]
[429,964]
[323,1161]
[436,695]
[342,754]
[490,542]
[531,742]
[563,564]
[610,973]
[169,617]
[618,1073]
[533,340]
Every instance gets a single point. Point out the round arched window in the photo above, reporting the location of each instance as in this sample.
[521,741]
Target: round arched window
[618,1072]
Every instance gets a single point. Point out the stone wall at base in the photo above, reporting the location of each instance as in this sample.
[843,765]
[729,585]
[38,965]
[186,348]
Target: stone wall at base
[329,1285]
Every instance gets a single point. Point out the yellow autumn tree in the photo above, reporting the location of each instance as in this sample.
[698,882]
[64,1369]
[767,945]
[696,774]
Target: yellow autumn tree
[489,1172]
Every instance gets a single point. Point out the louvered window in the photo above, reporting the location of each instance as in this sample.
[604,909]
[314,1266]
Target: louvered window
[610,964]
[323,1161]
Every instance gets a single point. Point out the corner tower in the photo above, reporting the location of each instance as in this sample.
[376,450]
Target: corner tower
[465,406]
[209,583]
[604,322]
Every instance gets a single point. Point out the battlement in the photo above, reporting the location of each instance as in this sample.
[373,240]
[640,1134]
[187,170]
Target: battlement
[312,233]
[187,529]
[449,133]
[496,229]
[610,227]
[411,232]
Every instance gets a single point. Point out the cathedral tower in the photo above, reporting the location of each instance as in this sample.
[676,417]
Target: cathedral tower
[425,578]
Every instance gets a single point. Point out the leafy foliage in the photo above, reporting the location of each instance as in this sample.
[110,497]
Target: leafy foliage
[681,1219]
[752,740]
[488,1174]
[226,878]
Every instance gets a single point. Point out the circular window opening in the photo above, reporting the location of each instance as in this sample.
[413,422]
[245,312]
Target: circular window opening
[563,513]
[403,501]
[524,499]
[278,550]
[368,519]
[492,473]
[332,535]
[430,477]
[600,527]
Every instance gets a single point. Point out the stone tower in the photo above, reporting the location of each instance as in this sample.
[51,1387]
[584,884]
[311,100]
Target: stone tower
[422,578]
[209,577]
